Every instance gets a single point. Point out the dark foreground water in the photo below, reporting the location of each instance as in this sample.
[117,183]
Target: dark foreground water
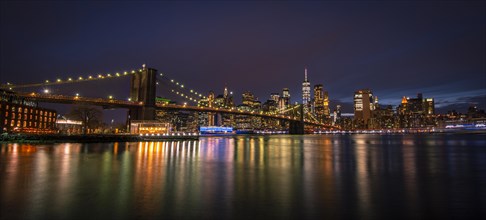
[249,177]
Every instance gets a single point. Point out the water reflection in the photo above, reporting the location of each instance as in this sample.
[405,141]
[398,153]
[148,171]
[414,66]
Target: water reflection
[356,176]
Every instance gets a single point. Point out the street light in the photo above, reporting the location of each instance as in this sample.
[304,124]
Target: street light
[110,97]
[46,91]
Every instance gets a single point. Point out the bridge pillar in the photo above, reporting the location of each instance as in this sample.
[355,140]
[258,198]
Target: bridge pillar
[142,89]
[297,127]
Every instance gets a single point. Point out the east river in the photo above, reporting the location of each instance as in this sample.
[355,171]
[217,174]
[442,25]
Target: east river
[360,176]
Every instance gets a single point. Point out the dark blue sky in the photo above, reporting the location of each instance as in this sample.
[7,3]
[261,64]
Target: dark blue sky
[396,49]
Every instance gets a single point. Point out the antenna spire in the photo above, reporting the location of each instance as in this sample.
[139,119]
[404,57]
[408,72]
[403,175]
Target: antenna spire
[305,79]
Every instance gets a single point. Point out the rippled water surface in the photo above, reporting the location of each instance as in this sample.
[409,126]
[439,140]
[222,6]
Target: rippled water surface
[248,177]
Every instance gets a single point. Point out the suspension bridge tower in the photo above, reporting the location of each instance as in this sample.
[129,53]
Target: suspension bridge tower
[142,89]
[297,127]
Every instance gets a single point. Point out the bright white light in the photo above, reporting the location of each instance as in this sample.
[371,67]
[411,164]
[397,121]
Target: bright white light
[46,91]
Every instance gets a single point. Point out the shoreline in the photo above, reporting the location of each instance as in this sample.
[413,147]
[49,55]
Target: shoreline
[105,138]
[90,138]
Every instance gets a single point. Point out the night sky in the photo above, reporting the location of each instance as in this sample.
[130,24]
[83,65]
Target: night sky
[396,49]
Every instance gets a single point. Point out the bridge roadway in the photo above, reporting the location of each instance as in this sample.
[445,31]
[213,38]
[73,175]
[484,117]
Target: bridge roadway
[114,103]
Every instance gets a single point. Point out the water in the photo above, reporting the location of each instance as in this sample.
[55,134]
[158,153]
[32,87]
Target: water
[249,177]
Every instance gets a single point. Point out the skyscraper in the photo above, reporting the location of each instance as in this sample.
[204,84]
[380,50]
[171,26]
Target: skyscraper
[274,96]
[211,104]
[306,94]
[327,112]
[363,107]
[284,100]
[319,102]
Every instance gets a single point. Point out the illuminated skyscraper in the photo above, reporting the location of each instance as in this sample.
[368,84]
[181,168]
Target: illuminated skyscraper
[286,94]
[274,97]
[306,94]
[318,102]
[284,101]
[211,104]
[321,103]
[327,112]
[363,107]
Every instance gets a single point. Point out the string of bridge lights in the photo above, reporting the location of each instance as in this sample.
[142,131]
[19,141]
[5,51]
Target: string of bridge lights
[190,92]
[74,79]
[93,77]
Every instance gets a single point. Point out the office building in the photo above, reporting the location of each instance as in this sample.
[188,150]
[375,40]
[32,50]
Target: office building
[363,108]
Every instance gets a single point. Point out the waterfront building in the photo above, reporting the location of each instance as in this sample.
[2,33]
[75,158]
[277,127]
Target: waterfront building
[149,127]
[68,126]
[416,112]
[363,108]
[23,115]
[337,114]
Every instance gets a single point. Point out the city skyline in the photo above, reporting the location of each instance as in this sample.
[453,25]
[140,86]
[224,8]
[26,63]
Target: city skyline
[392,57]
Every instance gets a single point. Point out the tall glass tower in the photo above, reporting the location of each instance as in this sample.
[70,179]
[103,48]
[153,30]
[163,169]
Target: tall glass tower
[306,92]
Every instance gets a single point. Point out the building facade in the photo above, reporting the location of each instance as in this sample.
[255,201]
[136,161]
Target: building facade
[363,108]
[23,115]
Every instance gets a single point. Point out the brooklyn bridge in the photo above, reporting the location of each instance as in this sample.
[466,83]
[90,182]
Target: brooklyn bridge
[142,104]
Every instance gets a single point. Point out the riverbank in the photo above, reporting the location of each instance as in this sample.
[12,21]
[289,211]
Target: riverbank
[90,138]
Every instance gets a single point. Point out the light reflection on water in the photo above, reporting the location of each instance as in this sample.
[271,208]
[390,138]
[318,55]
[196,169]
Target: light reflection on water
[317,176]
